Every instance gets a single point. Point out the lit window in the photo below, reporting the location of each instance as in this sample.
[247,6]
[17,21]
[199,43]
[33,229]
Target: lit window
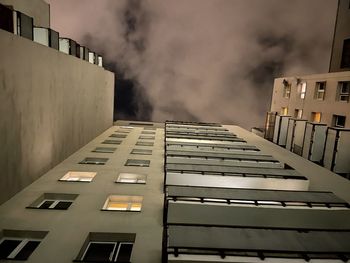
[104,150]
[286,89]
[107,247]
[339,121]
[78,176]
[316,116]
[94,160]
[320,90]
[284,111]
[303,90]
[141,143]
[112,142]
[134,162]
[343,91]
[19,244]
[123,203]
[298,113]
[345,60]
[141,151]
[131,178]
[54,201]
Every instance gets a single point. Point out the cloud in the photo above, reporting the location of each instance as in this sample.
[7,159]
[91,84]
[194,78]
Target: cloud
[206,60]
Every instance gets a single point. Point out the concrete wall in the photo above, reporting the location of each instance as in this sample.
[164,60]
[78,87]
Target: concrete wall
[341,32]
[68,229]
[51,104]
[38,9]
[327,107]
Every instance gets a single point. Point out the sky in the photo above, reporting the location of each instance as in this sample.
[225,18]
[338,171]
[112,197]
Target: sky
[200,60]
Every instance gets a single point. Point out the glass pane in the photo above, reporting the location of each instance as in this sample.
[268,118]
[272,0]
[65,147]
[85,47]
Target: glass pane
[117,206]
[124,252]
[46,204]
[7,246]
[135,207]
[63,205]
[27,250]
[99,252]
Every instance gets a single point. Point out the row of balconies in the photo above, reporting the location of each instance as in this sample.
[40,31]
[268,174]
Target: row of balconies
[22,25]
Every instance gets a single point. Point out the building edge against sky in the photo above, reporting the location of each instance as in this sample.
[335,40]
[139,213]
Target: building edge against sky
[51,104]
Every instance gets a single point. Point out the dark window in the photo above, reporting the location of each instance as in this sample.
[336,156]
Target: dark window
[345,59]
[104,150]
[112,142]
[9,247]
[339,121]
[133,162]
[94,160]
[108,252]
[6,19]
[116,135]
[141,151]
[141,143]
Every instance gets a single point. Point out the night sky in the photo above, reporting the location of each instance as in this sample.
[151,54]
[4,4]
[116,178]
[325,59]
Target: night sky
[200,60]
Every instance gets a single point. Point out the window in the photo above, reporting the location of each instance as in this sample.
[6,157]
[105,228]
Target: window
[78,176]
[141,143]
[298,113]
[146,137]
[148,132]
[320,90]
[284,111]
[107,247]
[339,121]
[149,128]
[54,201]
[345,59]
[134,162]
[343,91]
[94,160]
[19,244]
[303,90]
[141,151]
[116,135]
[316,116]
[123,203]
[131,178]
[112,142]
[286,89]
[104,150]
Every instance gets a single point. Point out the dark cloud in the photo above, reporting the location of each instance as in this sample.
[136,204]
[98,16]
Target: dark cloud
[206,60]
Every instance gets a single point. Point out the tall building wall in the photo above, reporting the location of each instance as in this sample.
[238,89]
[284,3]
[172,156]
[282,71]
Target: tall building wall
[341,40]
[328,103]
[51,105]
[69,229]
[38,9]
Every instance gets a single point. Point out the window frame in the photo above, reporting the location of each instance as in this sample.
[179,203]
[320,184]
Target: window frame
[137,163]
[141,151]
[341,93]
[115,251]
[303,89]
[319,91]
[335,121]
[20,246]
[127,200]
[76,175]
[104,150]
[287,88]
[139,178]
[89,160]
[314,114]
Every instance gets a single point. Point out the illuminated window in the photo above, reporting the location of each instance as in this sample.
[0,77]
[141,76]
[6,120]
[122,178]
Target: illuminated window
[135,162]
[316,116]
[284,111]
[78,176]
[104,150]
[107,247]
[343,91]
[131,178]
[339,121]
[123,203]
[141,151]
[54,201]
[320,90]
[298,113]
[303,90]
[94,160]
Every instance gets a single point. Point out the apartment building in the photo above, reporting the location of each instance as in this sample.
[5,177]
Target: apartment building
[53,99]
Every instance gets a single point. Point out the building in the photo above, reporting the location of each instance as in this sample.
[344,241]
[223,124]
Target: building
[179,192]
[53,101]
[340,55]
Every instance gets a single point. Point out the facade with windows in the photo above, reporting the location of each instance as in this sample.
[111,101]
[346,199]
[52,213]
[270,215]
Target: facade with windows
[321,98]
[202,192]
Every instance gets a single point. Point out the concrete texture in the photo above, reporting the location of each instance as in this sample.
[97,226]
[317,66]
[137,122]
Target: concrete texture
[51,104]
[68,229]
[38,9]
